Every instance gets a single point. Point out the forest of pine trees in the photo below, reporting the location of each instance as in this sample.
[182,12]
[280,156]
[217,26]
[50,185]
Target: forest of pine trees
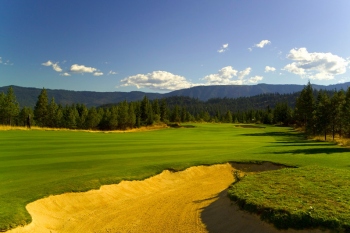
[317,112]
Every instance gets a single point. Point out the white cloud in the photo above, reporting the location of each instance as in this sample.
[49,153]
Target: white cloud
[6,63]
[112,72]
[157,80]
[317,66]
[81,69]
[262,43]
[48,63]
[98,73]
[244,73]
[230,76]
[269,69]
[255,79]
[343,80]
[65,74]
[223,48]
[55,66]
[224,76]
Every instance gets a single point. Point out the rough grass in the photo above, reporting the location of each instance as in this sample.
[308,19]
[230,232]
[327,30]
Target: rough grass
[307,197]
[38,163]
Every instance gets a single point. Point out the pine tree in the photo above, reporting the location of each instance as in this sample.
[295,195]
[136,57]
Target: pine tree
[9,107]
[83,113]
[52,120]
[346,113]
[2,108]
[150,115]
[113,121]
[23,116]
[123,115]
[304,108]
[176,115]
[163,111]
[40,109]
[228,117]
[131,116]
[282,113]
[92,119]
[144,110]
[322,113]
[336,104]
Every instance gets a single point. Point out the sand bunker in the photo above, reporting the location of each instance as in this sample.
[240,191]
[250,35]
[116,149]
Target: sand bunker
[193,200]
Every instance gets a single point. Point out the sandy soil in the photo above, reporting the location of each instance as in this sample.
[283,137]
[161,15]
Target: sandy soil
[194,200]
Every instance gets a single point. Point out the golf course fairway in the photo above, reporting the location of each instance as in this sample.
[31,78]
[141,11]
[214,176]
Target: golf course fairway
[35,164]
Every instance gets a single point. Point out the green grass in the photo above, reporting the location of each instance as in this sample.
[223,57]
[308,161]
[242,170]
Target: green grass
[307,197]
[35,164]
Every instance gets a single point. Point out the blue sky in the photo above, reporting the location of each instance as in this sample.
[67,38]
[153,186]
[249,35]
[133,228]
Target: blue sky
[161,45]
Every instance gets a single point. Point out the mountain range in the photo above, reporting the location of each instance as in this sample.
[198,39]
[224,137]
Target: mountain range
[27,96]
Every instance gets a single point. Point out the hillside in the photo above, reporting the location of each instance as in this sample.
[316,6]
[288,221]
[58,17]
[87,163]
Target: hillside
[27,96]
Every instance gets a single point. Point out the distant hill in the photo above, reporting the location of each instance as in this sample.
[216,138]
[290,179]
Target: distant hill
[235,91]
[27,96]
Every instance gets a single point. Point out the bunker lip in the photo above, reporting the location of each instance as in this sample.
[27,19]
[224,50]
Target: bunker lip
[192,200]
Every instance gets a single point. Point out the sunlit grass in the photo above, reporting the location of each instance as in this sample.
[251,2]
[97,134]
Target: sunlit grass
[38,163]
[307,197]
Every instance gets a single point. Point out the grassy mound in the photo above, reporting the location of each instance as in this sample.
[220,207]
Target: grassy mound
[308,197]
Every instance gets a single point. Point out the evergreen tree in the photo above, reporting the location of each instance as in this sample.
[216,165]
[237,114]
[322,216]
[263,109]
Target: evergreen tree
[40,109]
[2,108]
[184,115]
[52,118]
[336,104]
[92,119]
[144,110]
[131,116]
[9,107]
[70,116]
[23,116]
[322,113]
[104,123]
[282,113]
[150,115]
[228,117]
[304,109]
[163,111]
[176,115]
[113,121]
[83,113]
[156,107]
[346,113]
[123,115]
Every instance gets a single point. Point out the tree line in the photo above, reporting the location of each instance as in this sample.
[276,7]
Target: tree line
[318,112]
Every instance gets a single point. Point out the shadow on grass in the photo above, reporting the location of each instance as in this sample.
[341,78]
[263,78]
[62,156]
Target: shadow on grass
[310,151]
[295,144]
[277,134]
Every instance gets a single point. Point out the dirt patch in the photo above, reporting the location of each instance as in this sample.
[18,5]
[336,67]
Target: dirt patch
[250,126]
[177,125]
[193,200]
[257,166]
